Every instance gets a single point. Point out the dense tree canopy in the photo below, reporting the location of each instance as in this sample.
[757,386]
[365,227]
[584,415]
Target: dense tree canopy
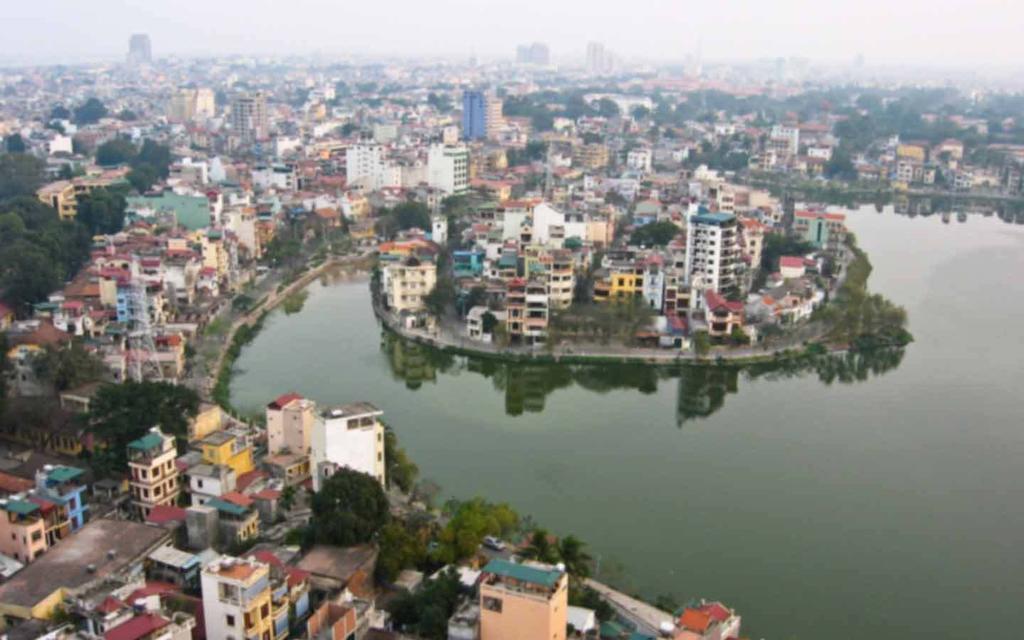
[102,210]
[655,234]
[14,143]
[90,112]
[69,366]
[470,522]
[349,509]
[20,175]
[426,612]
[120,413]
[115,152]
[38,251]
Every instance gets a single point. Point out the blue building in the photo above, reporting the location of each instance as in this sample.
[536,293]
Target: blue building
[474,115]
[467,263]
[62,485]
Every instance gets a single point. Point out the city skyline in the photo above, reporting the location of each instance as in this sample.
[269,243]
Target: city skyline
[946,33]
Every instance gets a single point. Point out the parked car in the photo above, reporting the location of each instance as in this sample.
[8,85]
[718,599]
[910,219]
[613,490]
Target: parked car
[494,543]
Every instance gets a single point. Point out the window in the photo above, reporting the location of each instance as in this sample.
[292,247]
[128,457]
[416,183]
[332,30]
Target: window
[229,620]
[492,604]
[36,535]
[265,611]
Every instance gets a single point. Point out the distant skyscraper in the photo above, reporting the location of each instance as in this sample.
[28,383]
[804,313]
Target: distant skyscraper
[536,53]
[249,117]
[140,50]
[599,60]
[474,115]
[481,115]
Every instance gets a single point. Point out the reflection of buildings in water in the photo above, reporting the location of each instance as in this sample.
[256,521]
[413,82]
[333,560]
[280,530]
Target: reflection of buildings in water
[408,361]
[525,390]
[701,391]
[341,274]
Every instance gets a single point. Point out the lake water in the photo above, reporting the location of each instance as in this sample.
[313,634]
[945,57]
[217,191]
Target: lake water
[876,497]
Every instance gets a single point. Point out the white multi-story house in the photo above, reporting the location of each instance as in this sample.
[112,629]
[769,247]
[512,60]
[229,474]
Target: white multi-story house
[639,159]
[348,436]
[712,251]
[448,168]
[237,600]
[368,165]
[407,283]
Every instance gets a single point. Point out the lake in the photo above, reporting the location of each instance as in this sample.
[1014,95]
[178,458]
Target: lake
[855,497]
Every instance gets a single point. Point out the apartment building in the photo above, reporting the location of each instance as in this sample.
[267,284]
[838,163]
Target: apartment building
[237,600]
[154,477]
[527,307]
[561,279]
[823,230]
[290,419]
[712,251]
[249,117]
[448,168]
[407,283]
[22,529]
[231,449]
[61,196]
[350,436]
[523,601]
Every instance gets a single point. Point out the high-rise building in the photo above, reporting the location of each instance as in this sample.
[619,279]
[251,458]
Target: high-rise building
[536,53]
[474,115]
[349,436]
[249,117]
[493,122]
[523,601]
[599,59]
[140,50]
[712,252]
[448,168]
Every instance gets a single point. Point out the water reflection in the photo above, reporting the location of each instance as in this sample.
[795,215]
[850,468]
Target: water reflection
[700,390]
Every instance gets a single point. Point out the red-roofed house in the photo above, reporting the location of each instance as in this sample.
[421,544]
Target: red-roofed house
[164,514]
[141,627]
[791,267]
[709,621]
[722,315]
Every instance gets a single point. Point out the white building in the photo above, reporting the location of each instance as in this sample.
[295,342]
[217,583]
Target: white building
[712,251]
[275,176]
[639,159]
[367,165]
[448,168]
[237,599]
[350,436]
[439,230]
[785,141]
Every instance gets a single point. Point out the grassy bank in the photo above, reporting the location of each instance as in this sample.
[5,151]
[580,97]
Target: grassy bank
[222,387]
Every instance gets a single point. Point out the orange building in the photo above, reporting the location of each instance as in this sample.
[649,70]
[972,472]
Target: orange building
[523,601]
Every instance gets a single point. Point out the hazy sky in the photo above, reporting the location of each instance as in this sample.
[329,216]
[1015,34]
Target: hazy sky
[935,32]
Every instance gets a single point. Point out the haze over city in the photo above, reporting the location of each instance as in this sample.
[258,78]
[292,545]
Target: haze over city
[933,33]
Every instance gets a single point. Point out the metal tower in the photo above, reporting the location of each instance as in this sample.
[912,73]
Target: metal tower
[144,364]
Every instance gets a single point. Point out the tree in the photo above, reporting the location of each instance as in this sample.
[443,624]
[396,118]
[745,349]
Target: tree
[127,115]
[488,322]
[154,155]
[606,108]
[701,343]
[540,547]
[142,178]
[288,495]
[401,471]
[90,112]
[27,273]
[409,215]
[14,143]
[349,509]
[400,549]
[115,152]
[426,612]
[60,112]
[68,366]
[577,561]
[470,522]
[20,175]
[102,211]
[640,112]
[120,413]
[840,166]
[441,298]
[655,234]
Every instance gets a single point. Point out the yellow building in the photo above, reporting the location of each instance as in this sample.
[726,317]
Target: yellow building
[229,449]
[911,152]
[523,601]
[154,476]
[590,156]
[61,196]
[209,419]
[237,600]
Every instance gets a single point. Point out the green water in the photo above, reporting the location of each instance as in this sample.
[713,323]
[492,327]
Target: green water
[875,497]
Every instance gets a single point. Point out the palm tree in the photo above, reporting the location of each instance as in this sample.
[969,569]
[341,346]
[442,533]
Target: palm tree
[540,548]
[577,561]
